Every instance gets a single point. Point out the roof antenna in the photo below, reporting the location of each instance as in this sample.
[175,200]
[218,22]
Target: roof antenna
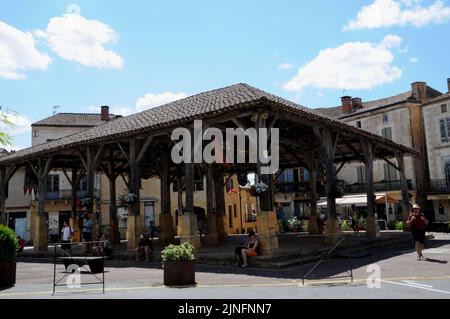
[55,109]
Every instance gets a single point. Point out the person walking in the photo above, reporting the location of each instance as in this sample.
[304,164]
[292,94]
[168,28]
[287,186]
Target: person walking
[66,235]
[417,223]
[354,219]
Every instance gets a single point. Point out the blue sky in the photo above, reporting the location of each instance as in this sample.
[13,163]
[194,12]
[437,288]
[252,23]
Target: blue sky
[133,55]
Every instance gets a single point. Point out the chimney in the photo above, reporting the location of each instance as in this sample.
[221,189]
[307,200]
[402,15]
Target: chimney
[105,113]
[448,85]
[357,103]
[346,104]
[419,91]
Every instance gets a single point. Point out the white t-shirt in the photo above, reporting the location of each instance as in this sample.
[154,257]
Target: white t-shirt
[67,233]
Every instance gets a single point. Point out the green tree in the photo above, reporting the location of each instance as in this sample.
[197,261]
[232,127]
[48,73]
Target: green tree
[5,138]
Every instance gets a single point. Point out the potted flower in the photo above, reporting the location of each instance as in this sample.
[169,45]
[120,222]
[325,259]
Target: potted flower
[179,265]
[128,199]
[85,201]
[8,250]
[258,189]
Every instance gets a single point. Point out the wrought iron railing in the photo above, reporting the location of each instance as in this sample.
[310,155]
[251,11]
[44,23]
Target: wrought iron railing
[439,186]
[378,187]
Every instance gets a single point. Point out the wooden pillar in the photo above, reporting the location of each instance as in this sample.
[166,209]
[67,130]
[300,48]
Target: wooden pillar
[190,232]
[266,220]
[113,221]
[133,221]
[212,236]
[313,164]
[6,173]
[219,201]
[329,142]
[40,240]
[167,233]
[372,229]
[74,182]
[406,205]
[3,186]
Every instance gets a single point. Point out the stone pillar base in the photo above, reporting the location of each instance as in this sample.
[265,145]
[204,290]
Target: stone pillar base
[114,235]
[332,228]
[372,228]
[134,230]
[190,230]
[76,237]
[221,234]
[267,232]
[40,239]
[166,233]
[212,236]
[313,225]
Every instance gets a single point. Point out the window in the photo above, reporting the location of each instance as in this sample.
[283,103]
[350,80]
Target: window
[83,184]
[387,133]
[444,125]
[441,209]
[385,118]
[52,183]
[444,108]
[390,173]
[361,173]
[358,124]
[229,185]
[235,211]
[305,177]
[230,216]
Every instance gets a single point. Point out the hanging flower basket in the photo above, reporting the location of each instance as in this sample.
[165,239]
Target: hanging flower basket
[128,199]
[258,189]
[86,201]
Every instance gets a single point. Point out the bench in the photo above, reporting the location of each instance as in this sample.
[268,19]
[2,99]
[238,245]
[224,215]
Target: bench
[96,264]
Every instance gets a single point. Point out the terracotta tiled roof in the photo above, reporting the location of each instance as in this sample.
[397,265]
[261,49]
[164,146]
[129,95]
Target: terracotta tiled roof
[336,112]
[235,97]
[74,119]
[443,97]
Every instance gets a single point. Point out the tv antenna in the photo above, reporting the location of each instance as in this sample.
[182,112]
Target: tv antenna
[55,109]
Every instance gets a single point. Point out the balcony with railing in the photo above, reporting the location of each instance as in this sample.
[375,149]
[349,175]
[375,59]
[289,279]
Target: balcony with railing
[383,186]
[439,186]
[66,194]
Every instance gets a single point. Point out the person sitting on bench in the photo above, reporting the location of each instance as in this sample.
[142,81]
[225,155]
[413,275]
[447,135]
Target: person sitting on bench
[243,252]
[145,246]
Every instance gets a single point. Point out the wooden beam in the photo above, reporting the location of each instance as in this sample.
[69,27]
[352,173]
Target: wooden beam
[82,158]
[144,148]
[123,152]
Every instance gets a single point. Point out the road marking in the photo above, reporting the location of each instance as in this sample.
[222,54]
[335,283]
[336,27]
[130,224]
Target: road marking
[416,286]
[297,283]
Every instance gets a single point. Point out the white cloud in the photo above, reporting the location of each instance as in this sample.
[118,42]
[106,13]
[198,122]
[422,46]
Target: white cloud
[18,53]
[353,65]
[286,66]
[151,100]
[387,13]
[78,39]
[414,60]
[21,124]
[320,94]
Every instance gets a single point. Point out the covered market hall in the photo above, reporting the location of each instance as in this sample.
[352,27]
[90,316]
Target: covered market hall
[140,146]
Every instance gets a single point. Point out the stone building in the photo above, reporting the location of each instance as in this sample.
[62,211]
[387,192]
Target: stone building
[398,118]
[436,116]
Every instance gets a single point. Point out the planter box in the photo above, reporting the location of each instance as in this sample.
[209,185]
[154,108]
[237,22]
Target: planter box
[7,274]
[179,273]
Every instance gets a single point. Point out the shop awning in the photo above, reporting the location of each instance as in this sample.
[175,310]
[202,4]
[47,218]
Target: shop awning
[358,200]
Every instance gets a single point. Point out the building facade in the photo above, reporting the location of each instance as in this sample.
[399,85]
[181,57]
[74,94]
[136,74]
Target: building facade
[398,118]
[436,116]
